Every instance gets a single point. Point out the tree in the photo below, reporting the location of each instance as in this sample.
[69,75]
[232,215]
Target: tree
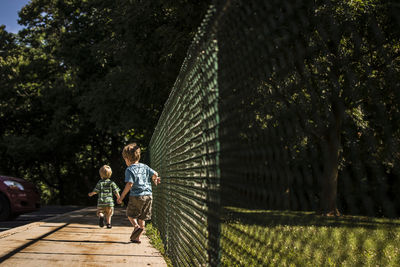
[310,94]
[85,81]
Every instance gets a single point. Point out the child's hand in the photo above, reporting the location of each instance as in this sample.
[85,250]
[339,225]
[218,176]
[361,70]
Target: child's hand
[90,194]
[157,181]
[119,200]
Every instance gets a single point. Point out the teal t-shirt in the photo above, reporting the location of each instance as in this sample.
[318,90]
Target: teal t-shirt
[140,175]
[105,189]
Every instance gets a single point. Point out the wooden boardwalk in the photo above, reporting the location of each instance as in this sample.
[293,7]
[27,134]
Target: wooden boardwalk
[75,239]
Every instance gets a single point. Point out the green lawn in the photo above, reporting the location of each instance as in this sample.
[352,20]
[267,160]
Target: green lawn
[286,238]
[290,238]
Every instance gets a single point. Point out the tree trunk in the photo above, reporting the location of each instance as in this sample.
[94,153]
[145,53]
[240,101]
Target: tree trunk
[116,161]
[61,191]
[331,151]
[329,181]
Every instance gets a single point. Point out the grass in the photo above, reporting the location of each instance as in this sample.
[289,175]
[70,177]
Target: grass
[287,238]
[155,239]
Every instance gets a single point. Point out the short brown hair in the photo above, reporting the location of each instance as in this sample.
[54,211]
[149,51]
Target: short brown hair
[131,152]
[105,172]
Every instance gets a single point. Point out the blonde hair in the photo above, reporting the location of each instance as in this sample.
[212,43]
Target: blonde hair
[131,152]
[105,172]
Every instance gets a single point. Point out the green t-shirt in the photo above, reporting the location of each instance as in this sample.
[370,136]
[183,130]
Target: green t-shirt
[105,189]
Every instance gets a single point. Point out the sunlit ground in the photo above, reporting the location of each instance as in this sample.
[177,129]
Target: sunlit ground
[282,238]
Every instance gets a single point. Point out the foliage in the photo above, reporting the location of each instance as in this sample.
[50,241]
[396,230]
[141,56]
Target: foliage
[82,79]
[323,97]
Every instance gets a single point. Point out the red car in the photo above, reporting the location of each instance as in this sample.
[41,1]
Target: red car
[17,196]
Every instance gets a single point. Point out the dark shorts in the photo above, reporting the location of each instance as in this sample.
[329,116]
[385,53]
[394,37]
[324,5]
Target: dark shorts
[139,207]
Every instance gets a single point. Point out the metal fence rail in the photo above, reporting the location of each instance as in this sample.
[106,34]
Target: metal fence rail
[279,143]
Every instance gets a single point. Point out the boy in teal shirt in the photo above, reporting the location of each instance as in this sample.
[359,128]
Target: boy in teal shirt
[138,178]
[105,202]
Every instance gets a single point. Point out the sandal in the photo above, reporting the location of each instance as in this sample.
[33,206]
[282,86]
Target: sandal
[135,234]
[136,241]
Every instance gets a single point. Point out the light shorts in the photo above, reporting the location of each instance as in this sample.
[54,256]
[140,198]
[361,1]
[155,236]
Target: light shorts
[139,207]
[107,211]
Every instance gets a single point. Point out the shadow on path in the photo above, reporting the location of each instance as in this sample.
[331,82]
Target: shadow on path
[33,241]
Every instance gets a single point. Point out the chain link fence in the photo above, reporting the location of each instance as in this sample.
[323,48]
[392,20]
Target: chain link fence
[279,143]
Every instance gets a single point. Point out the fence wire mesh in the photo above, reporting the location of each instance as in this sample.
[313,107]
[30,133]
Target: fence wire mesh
[279,144]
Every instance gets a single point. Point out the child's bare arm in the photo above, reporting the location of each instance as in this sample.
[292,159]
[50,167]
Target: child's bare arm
[92,193]
[128,187]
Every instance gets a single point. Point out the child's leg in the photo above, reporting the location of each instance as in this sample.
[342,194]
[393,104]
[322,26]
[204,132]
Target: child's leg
[108,218]
[100,213]
[137,229]
[109,214]
[146,211]
[141,225]
[133,222]
[133,210]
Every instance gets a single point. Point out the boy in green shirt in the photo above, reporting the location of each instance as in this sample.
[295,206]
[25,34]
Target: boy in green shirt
[105,202]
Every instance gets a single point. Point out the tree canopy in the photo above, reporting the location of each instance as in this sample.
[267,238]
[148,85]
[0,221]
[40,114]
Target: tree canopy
[82,79]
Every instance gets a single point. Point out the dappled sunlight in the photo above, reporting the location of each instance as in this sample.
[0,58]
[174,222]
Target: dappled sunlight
[272,237]
[75,238]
